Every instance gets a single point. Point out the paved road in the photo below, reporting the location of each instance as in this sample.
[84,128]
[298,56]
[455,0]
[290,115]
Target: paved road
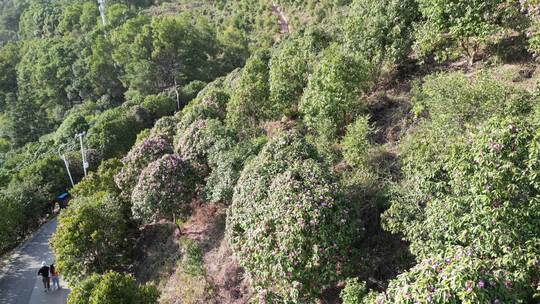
[19,283]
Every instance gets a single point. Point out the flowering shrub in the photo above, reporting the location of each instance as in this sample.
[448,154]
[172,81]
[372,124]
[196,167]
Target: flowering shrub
[534,40]
[286,225]
[141,115]
[459,276]
[142,136]
[210,104]
[147,151]
[200,126]
[165,126]
[449,107]
[164,189]
[226,166]
[488,201]
[532,7]
[200,137]
[492,197]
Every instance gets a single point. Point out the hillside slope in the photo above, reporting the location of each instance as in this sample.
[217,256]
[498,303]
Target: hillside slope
[350,152]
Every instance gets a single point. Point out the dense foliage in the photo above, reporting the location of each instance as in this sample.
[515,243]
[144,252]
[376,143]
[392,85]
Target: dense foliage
[100,180]
[63,72]
[381,30]
[480,179]
[112,288]
[354,292]
[250,102]
[533,32]
[331,98]
[226,167]
[466,194]
[464,25]
[195,142]
[384,151]
[164,52]
[356,142]
[115,131]
[460,276]
[94,235]
[289,70]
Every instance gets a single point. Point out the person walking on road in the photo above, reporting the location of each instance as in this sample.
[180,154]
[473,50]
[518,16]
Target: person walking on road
[44,273]
[54,277]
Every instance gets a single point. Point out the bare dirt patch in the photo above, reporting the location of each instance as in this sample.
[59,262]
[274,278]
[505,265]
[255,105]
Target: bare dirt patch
[220,279]
[282,19]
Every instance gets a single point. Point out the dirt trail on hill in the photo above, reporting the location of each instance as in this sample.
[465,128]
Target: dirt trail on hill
[283,23]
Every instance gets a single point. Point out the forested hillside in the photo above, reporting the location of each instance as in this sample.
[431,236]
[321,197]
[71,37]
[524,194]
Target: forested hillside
[252,151]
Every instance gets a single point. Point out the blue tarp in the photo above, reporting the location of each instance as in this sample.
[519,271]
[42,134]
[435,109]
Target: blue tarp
[63,196]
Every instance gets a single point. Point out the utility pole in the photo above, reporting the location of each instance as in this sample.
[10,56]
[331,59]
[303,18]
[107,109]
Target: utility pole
[63,156]
[102,11]
[66,163]
[83,154]
[177,95]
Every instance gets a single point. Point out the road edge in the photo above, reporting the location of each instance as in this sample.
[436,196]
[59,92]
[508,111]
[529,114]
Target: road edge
[7,262]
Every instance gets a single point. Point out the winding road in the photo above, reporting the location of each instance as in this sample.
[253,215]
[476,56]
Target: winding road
[19,283]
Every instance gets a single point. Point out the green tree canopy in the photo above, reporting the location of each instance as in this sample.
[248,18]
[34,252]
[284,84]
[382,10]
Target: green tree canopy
[381,31]
[94,235]
[162,53]
[333,96]
[462,24]
[112,288]
[250,104]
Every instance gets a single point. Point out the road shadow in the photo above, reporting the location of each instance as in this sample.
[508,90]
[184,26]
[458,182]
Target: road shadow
[19,283]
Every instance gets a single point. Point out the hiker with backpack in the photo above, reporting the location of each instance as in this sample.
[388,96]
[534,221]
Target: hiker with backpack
[44,273]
